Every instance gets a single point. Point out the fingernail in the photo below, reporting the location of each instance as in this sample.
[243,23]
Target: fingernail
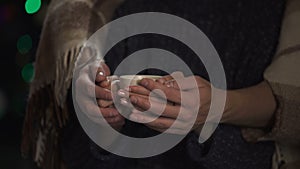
[133,117]
[101,73]
[134,111]
[161,81]
[107,90]
[122,93]
[144,82]
[169,83]
[127,89]
[136,117]
[133,99]
[124,101]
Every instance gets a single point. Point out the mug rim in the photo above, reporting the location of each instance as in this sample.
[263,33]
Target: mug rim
[139,77]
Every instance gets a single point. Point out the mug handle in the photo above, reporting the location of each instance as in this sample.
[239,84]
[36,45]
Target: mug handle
[114,86]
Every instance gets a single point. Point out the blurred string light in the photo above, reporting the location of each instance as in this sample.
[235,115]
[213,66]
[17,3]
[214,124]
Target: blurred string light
[24,44]
[32,6]
[28,72]
[3,105]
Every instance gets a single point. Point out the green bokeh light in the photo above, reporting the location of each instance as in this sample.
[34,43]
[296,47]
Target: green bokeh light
[32,6]
[24,44]
[28,72]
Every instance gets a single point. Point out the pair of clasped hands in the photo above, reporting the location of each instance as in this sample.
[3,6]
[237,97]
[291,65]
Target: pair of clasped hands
[182,112]
[178,99]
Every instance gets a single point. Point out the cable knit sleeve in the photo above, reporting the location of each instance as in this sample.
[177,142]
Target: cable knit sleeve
[283,75]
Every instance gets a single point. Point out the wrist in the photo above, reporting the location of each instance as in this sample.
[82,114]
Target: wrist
[233,102]
[250,107]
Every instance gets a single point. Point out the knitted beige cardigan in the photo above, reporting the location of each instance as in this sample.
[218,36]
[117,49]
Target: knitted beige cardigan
[283,76]
[68,25]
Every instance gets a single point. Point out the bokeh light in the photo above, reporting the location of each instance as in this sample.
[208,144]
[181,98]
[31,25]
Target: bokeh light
[24,44]
[3,104]
[32,6]
[28,72]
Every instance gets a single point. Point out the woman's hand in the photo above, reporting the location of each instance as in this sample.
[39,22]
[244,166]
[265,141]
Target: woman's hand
[250,107]
[105,100]
[87,89]
[184,99]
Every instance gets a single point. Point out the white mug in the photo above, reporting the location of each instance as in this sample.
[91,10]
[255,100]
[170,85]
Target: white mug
[125,81]
[133,80]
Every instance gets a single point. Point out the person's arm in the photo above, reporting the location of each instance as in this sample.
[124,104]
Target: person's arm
[252,107]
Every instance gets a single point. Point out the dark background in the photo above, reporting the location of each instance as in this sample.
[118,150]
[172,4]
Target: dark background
[15,73]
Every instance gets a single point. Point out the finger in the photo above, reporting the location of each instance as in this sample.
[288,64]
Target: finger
[102,72]
[172,94]
[109,81]
[182,97]
[125,94]
[86,87]
[142,117]
[166,109]
[192,82]
[115,120]
[169,131]
[172,83]
[139,90]
[163,79]
[109,112]
[160,124]
[188,98]
[100,77]
[156,107]
[104,103]
[118,126]
[176,74]
[102,93]
[105,84]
